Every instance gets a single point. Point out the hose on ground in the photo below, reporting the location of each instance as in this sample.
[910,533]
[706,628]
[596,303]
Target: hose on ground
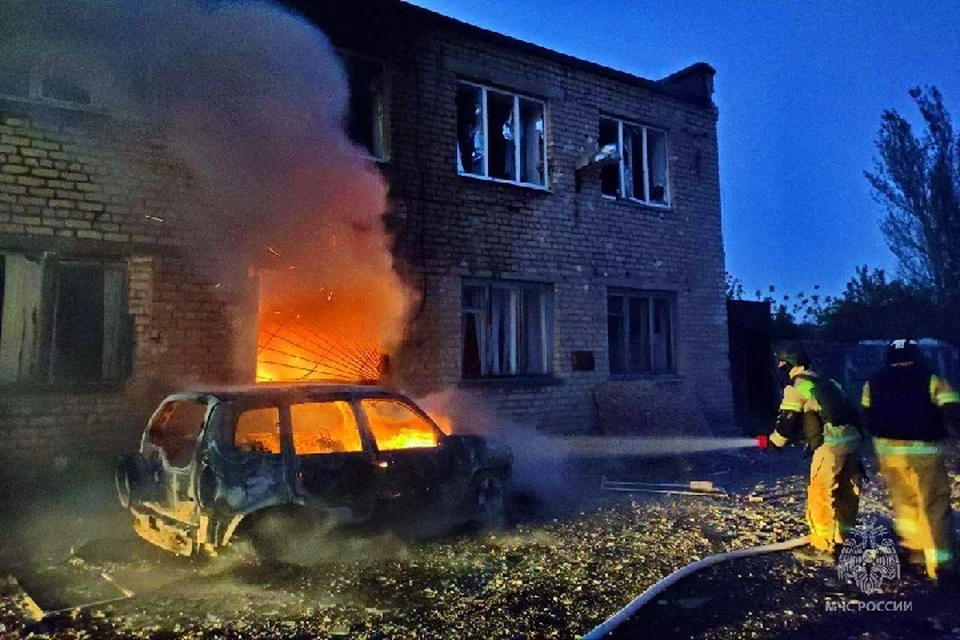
[657,588]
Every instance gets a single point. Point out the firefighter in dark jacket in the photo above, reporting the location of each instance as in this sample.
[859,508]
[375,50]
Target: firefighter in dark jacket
[906,407]
[815,411]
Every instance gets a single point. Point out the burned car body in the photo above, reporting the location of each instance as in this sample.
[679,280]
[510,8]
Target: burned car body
[219,462]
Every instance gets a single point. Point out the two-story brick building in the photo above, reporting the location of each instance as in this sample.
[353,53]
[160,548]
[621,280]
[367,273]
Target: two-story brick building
[559,220]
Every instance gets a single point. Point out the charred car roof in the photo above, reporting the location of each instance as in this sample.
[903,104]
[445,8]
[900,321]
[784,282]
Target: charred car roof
[266,391]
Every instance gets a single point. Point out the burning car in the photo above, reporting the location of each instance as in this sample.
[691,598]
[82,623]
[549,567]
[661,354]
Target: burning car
[263,462]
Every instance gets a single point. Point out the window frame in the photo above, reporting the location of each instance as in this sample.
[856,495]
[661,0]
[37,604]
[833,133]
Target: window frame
[45,374]
[484,89]
[384,119]
[621,165]
[629,371]
[548,294]
[37,81]
[360,409]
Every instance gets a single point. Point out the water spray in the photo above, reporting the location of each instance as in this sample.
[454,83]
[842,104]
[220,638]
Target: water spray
[633,446]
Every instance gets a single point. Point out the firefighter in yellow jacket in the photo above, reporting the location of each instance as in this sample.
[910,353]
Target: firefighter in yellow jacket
[905,410]
[815,411]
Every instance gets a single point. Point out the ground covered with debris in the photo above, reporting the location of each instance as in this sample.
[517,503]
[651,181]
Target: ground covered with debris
[552,576]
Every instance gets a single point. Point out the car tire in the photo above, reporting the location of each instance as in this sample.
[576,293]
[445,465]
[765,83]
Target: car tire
[490,500]
[273,533]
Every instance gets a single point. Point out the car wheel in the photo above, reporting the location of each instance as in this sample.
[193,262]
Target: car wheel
[274,533]
[490,499]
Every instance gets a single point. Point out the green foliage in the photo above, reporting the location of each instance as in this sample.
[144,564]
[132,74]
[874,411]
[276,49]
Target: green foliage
[917,179]
[875,307]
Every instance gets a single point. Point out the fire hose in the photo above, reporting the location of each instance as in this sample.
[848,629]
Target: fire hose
[659,587]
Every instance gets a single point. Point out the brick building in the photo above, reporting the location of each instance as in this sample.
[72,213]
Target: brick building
[560,219]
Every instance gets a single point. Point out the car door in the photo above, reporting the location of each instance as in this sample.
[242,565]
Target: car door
[169,448]
[333,463]
[413,461]
[244,465]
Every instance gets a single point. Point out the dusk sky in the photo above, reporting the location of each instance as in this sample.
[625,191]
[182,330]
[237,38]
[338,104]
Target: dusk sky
[800,87]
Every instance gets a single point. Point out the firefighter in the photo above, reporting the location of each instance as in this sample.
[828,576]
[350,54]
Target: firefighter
[815,411]
[906,408]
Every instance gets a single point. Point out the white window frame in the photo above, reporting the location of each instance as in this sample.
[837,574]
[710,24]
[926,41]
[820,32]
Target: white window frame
[483,313]
[516,128]
[621,191]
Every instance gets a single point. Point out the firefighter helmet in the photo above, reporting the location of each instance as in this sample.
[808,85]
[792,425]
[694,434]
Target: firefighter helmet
[793,355]
[903,351]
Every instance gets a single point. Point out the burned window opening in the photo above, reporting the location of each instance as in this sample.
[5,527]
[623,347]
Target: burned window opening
[640,333]
[366,110]
[507,329]
[500,135]
[642,173]
[258,431]
[324,427]
[396,426]
[175,429]
[63,322]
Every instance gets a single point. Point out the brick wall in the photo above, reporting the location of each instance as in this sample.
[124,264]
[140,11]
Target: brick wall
[81,185]
[452,226]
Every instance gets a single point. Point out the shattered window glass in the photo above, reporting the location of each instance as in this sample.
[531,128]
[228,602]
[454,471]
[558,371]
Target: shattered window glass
[532,142]
[609,173]
[500,129]
[258,431]
[641,173]
[470,143]
[365,115]
[324,427]
[397,426]
[657,165]
[500,135]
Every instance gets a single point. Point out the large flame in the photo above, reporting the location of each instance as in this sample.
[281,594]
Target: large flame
[309,330]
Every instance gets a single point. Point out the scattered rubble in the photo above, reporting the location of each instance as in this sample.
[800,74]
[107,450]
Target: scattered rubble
[548,579]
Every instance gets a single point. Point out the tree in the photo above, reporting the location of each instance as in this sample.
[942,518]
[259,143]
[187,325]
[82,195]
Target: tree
[917,179]
[874,307]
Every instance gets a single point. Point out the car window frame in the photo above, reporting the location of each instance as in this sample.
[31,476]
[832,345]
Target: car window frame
[366,442]
[147,445]
[359,410]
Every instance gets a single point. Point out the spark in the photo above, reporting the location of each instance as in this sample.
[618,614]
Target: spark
[273,251]
[154,218]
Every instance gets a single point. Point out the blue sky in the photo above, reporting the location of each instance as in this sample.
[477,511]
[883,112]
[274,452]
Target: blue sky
[800,87]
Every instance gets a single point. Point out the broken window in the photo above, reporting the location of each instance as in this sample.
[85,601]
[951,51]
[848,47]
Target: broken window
[42,80]
[640,333]
[175,428]
[63,321]
[500,135]
[258,431]
[324,427]
[507,329]
[365,116]
[641,173]
[396,426]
